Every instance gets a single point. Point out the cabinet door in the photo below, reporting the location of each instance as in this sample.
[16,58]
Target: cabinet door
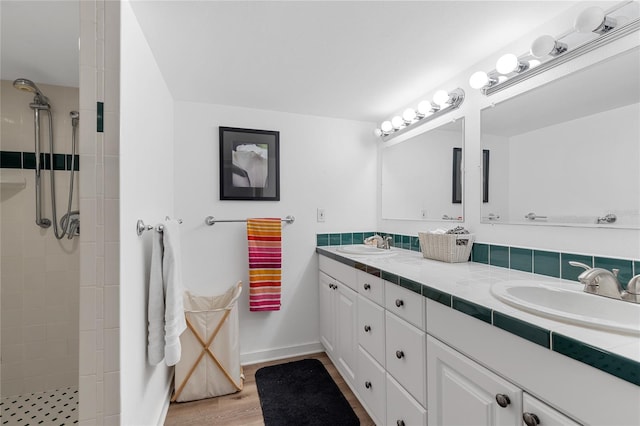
[462,392]
[346,337]
[405,356]
[536,412]
[371,385]
[371,328]
[402,409]
[327,313]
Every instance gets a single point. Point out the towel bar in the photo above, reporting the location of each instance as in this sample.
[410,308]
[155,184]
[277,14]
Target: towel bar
[210,220]
[141,227]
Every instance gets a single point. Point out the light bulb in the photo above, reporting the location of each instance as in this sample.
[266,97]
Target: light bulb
[534,63]
[593,19]
[547,45]
[397,122]
[478,80]
[377,132]
[507,63]
[386,126]
[441,98]
[409,115]
[424,108]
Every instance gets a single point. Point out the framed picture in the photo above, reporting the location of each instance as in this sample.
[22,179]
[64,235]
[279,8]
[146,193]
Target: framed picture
[456,191]
[249,164]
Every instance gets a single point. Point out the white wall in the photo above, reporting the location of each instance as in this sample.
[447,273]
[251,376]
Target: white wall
[622,243]
[324,162]
[146,191]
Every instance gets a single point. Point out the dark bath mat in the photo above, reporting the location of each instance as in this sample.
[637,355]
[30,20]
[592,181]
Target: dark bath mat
[302,393]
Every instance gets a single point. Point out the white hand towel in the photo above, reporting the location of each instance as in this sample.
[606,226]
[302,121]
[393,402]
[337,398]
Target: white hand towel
[174,320]
[155,309]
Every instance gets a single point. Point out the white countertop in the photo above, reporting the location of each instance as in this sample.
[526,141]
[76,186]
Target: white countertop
[472,281]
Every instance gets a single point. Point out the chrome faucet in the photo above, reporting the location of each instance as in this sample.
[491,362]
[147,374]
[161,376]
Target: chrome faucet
[382,243]
[605,283]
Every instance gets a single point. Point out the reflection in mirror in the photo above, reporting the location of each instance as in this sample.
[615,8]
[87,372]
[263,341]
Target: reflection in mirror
[567,153]
[417,175]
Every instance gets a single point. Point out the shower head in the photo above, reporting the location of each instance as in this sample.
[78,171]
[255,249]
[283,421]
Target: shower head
[29,86]
[75,117]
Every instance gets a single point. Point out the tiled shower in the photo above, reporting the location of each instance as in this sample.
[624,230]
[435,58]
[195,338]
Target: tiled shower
[39,297]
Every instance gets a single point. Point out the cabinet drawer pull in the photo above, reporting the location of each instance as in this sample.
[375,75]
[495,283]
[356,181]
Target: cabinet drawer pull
[399,302]
[399,354]
[400,423]
[367,287]
[367,328]
[502,400]
[530,419]
[367,385]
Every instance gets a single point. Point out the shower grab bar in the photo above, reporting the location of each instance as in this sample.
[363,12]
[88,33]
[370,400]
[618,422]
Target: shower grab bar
[210,220]
[141,227]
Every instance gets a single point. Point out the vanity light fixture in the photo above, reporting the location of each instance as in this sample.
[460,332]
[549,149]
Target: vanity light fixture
[548,52]
[443,102]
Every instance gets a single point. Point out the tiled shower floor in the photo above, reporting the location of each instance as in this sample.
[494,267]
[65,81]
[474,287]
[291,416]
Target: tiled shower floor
[56,407]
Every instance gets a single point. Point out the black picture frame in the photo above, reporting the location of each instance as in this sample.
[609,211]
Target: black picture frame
[249,164]
[485,175]
[456,191]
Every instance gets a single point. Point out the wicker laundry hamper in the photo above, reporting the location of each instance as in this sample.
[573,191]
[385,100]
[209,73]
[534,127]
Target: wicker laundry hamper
[210,361]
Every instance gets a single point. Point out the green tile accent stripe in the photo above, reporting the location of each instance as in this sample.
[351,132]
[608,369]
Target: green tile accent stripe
[100,117]
[410,285]
[569,272]
[387,276]
[374,271]
[27,161]
[532,333]
[480,253]
[546,263]
[472,309]
[437,295]
[621,367]
[625,267]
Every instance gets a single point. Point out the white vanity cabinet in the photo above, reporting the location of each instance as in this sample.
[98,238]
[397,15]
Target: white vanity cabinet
[462,392]
[338,321]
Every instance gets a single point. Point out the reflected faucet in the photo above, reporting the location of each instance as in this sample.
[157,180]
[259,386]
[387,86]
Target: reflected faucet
[382,243]
[605,283]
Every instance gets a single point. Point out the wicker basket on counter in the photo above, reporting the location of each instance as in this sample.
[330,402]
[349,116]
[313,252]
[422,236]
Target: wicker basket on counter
[452,248]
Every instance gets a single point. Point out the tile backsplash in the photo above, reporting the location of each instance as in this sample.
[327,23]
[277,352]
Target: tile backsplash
[543,262]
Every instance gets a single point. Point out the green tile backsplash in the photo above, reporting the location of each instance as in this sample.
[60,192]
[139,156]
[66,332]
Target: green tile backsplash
[545,262]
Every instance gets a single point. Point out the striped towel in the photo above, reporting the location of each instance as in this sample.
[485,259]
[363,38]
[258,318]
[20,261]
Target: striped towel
[265,261]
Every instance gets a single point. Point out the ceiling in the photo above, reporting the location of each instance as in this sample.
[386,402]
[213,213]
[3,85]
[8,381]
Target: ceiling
[359,60]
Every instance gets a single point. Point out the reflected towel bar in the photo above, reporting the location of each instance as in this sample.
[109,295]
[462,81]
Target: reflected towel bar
[141,227]
[210,220]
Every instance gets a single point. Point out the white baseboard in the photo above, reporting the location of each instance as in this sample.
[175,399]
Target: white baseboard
[166,402]
[280,353]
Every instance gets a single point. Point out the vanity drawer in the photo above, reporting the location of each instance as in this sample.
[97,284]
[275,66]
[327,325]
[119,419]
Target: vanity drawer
[406,356]
[371,383]
[339,271]
[371,329]
[402,409]
[405,303]
[371,287]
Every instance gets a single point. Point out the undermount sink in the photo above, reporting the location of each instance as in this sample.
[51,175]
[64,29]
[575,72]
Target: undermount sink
[364,249]
[572,306]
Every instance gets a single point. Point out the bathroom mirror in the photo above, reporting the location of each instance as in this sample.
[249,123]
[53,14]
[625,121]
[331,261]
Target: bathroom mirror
[422,176]
[568,153]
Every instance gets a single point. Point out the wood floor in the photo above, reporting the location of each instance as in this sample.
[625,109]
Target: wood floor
[243,408]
